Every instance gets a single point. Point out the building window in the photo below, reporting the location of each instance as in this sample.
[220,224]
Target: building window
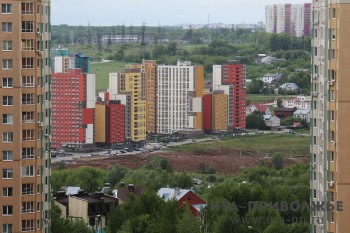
[7,45]
[6,27]
[28,153]
[27,207]
[333,75]
[28,117]
[332,136]
[334,13]
[27,44]
[315,194]
[7,155]
[28,135]
[315,51]
[332,156]
[27,189]
[331,194]
[28,225]
[7,119]
[315,141]
[316,34]
[28,81]
[7,64]
[27,26]
[7,228]
[7,137]
[7,192]
[27,171]
[27,99]
[315,175]
[332,115]
[333,33]
[7,101]
[6,8]
[7,173]
[7,210]
[27,8]
[7,82]
[332,216]
[332,95]
[315,123]
[27,63]
[333,54]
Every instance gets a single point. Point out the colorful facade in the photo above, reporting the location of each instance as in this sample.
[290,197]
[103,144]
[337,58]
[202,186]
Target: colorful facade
[110,121]
[215,112]
[73,107]
[151,91]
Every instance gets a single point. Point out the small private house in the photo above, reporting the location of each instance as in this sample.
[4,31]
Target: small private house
[258,107]
[284,112]
[271,78]
[304,114]
[272,121]
[91,208]
[183,196]
[289,87]
[124,191]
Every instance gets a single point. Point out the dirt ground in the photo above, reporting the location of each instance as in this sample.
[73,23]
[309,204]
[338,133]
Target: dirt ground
[224,161]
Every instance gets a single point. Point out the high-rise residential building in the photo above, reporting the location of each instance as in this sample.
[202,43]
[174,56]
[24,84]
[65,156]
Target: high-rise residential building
[180,89]
[25,116]
[109,118]
[231,78]
[215,112]
[151,95]
[73,106]
[292,19]
[62,64]
[330,177]
[129,87]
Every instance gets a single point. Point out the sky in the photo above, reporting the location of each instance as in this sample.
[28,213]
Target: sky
[160,12]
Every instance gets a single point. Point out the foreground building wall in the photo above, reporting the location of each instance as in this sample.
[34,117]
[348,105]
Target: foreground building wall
[330,181]
[25,112]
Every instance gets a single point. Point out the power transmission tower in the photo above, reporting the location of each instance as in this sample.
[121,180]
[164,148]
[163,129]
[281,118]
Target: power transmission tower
[143,41]
[123,33]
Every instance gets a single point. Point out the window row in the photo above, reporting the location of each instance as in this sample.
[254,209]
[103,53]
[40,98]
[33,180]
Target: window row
[27,63]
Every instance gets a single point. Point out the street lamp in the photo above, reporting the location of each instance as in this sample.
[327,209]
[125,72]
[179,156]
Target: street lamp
[252,228]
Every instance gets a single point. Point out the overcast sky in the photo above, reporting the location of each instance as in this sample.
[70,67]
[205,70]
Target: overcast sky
[159,12]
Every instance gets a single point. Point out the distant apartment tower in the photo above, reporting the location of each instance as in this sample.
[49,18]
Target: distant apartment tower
[109,125]
[82,62]
[73,109]
[129,87]
[231,78]
[25,181]
[330,177]
[215,112]
[62,64]
[294,20]
[180,89]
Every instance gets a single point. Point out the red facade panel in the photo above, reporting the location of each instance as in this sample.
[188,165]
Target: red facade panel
[191,198]
[88,116]
[115,123]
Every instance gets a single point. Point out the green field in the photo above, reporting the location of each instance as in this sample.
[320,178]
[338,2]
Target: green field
[102,71]
[287,144]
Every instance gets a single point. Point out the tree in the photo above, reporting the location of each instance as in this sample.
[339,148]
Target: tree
[277,161]
[279,103]
[187,223]
[255,86]
[115,173]
[255,121]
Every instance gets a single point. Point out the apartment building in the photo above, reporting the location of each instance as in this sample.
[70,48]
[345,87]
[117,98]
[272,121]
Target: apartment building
[129,88]
[215,112]
[109,125]
[292,19]
[180,89]
[73,109]
[25,116]
[231,78]
[151,92]
[330,180]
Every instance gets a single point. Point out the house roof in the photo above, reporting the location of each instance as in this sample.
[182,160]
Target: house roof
[124,192]
[260,107]
[172,193]
[292,86]
[302,111]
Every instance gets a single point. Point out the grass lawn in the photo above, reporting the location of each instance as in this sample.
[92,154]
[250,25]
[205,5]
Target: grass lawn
[102,71]
[283,143]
